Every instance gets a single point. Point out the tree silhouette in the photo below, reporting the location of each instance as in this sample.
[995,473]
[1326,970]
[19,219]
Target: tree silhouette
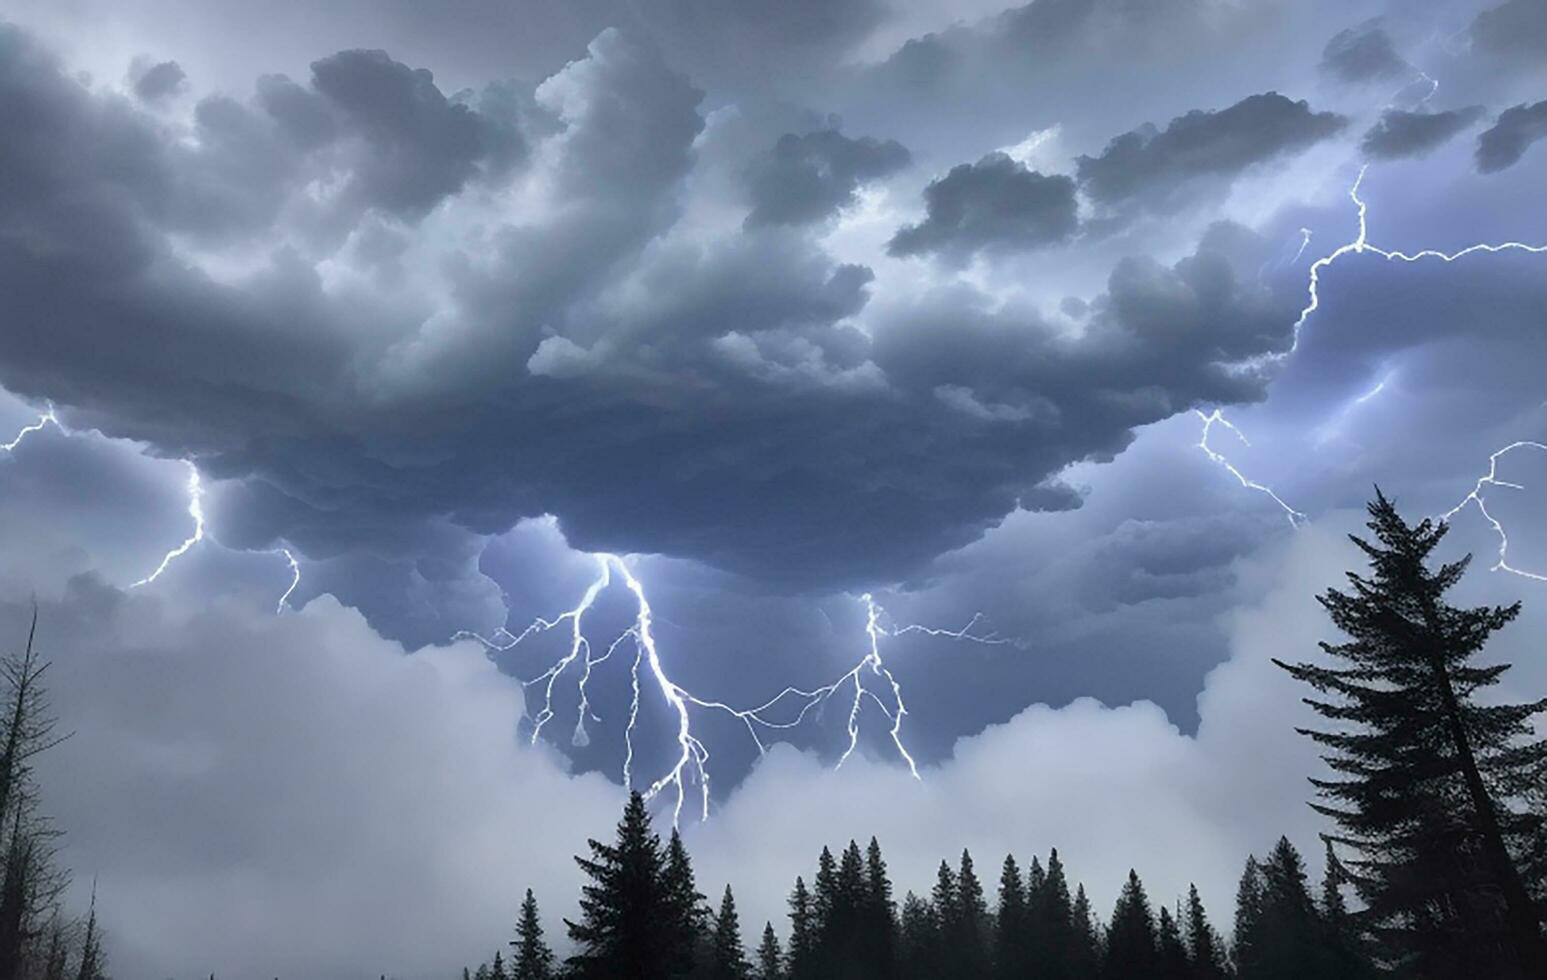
[531,959]
[728,959]
[1130,946]
[770,959]
[1424,771]
[629,927]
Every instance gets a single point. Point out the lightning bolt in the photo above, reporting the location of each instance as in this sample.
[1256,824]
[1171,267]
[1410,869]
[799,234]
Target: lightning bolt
[1361,246]
[295,578]
[1478,497]
[27,430]
[195,511]
[1296,518]
[690,764]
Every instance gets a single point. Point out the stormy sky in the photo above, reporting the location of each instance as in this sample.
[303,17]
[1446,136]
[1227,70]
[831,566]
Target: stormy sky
[791,302]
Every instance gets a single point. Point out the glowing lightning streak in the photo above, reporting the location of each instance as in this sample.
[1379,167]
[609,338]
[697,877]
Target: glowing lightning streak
[1491,479]
[692,757]
[1296,518]
[196,511]
[27,430]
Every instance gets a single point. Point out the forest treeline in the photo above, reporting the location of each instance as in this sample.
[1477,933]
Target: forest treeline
[1435,848]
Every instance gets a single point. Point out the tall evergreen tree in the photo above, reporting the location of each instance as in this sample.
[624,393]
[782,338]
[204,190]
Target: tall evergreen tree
[1347,958]
[1426,770]
[1130,945]
[497,968]
[945,900]
[803,926]
[1285,938]
[1248,911]
[770,958]
[627,914]
[1205,950]
[1012,922]
[973,923]
[687,919]
[879,913]
[1053,932]
[531,959]
[1084,959]
[916,940]
[728,959]
[93,965]
[1170,951]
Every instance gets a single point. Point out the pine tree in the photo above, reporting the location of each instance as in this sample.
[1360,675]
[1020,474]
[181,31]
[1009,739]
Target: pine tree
[1346,955]
[531,959]
[689,918]
[625,906]
[1205,950]
[728,959]
[973,923]
[1171,952]
[879,913]
[770,959]
[497,970]
[917,940]
[1053,933]
[803,925]
[1084,938]
[1248,911]
[946,903]
[1425,770]
[1012,959]
[1130,946]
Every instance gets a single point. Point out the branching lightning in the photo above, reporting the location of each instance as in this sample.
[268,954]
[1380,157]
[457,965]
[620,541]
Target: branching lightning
[1296,518]
[1478,497]
[690,764]
[1361,246]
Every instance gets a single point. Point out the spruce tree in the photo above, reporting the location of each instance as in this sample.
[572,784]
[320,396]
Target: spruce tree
[1171,952]
[1012,959]
[879,913]
[770,958]
[93,965]
[688,910]
[803,925]
[497,969]
[916,940]
[1347,958]
[946,903]
[1053,930]
[1425,771]
[1084,959]
[625,932]
[531,959]
[1130,945]
[973,923]
[1248,910]
[728,958]
[1205,950]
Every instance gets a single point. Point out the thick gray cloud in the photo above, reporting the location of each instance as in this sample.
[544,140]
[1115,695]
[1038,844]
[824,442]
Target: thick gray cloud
[1516,129]
[154,82]
[1516,30]
[994,203]
[810,176]
[580,363]
[1158,167]
[1361,54]
[1400,133]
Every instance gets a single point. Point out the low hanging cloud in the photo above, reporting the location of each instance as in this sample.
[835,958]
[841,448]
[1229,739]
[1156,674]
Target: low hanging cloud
[1400,133]
[996,203]
[1363,54]
[811,176]
[1156,168]
[154,82]
[1516,129]
[368,365]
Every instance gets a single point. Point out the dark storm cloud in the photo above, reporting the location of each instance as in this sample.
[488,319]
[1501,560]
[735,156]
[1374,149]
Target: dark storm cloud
[1156,167]
[1409,134]
[656,392]
[419,147]
[1502,146]
[810,176]
[994,203]
[1516,30]
[153,83]
[1361,54]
